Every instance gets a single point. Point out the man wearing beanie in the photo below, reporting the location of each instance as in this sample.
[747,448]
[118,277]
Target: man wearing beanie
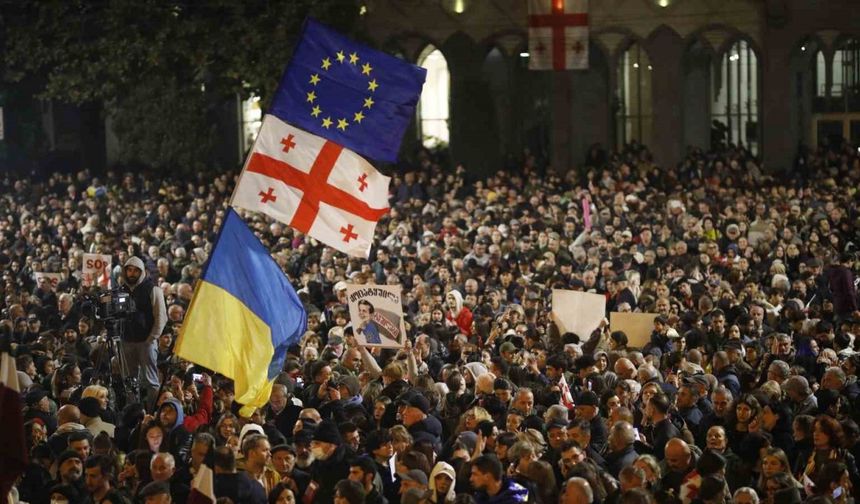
[144,326]
[330,465]
[70,470]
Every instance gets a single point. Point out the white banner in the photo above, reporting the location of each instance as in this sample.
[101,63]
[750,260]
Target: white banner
[53,278]
[577,312]
[96,270]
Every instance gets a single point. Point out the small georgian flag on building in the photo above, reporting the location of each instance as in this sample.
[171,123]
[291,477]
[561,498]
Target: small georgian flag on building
[314,185]
[558,34]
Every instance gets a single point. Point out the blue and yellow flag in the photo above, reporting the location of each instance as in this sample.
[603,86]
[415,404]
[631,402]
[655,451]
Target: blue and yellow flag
[243,316]
[355,96]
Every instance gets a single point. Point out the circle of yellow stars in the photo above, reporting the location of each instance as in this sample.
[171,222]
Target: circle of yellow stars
[343,123]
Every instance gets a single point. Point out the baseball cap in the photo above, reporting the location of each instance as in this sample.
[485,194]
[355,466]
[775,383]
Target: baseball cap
[415,400]
[416,475]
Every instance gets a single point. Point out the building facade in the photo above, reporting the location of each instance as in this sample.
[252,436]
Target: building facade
[770,74]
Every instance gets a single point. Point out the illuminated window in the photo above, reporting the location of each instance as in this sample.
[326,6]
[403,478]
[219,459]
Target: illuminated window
[252,120]
[735,108]
[846,69]
[820,74]
[434,104]
[634,96]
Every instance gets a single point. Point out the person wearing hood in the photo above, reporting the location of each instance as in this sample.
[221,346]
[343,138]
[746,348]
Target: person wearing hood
[458,315]
[171,417]
[143,326]
[442,480]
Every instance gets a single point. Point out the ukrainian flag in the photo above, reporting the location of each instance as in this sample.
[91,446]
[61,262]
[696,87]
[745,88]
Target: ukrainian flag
[243,316]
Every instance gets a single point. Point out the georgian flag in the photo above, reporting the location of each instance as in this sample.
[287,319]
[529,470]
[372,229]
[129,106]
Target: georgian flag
[558,34]
[314,185]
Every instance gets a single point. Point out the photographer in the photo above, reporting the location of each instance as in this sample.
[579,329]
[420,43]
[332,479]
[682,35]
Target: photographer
[144,326]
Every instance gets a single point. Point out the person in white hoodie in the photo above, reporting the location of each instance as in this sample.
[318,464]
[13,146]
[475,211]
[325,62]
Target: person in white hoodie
[442,483]
[143,327]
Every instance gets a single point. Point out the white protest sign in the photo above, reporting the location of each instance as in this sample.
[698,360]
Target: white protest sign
[53,278]
[377,315]
[96,270]
[578,312]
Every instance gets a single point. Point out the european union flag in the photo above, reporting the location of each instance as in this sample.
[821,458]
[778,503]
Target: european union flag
[348,93]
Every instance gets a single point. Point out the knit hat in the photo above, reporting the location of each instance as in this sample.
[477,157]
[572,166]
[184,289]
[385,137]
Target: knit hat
[66,455]
[327,432]
[351,383]
[34,396]
[588,398]
[247,429]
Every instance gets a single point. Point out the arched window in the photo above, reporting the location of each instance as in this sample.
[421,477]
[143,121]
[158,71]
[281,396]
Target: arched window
[735,109]
[846,70]
[820,74]
[634,96]
[433,107]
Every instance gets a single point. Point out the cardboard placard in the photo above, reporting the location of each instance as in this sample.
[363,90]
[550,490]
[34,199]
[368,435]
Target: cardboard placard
[578,312]
[95,270]
[377,315]
[53,278]
[637,326]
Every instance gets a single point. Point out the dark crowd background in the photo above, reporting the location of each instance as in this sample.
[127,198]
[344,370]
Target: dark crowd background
[745,392]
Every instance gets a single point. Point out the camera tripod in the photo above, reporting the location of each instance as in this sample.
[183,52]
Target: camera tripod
[117,378]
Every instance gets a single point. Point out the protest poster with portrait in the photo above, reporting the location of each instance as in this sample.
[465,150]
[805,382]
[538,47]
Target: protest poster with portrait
[377,315]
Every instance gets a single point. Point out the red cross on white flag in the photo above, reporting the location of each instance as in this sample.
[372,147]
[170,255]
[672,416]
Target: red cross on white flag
[316,186]
[558,34]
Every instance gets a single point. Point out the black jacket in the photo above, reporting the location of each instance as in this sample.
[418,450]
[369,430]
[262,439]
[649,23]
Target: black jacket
[239,487]
[663,431]
[616,461]
[429,429]
[326,474]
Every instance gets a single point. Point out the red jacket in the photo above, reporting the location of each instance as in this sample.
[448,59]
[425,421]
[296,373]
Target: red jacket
[203,413]
[463,321]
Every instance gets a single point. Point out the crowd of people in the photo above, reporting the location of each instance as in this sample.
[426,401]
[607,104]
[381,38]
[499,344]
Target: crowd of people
[746,391]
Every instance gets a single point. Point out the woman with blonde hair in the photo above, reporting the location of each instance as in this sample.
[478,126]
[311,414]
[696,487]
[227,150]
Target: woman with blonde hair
[470,420]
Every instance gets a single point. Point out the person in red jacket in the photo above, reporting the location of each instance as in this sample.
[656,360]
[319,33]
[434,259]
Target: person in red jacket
[458,315]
